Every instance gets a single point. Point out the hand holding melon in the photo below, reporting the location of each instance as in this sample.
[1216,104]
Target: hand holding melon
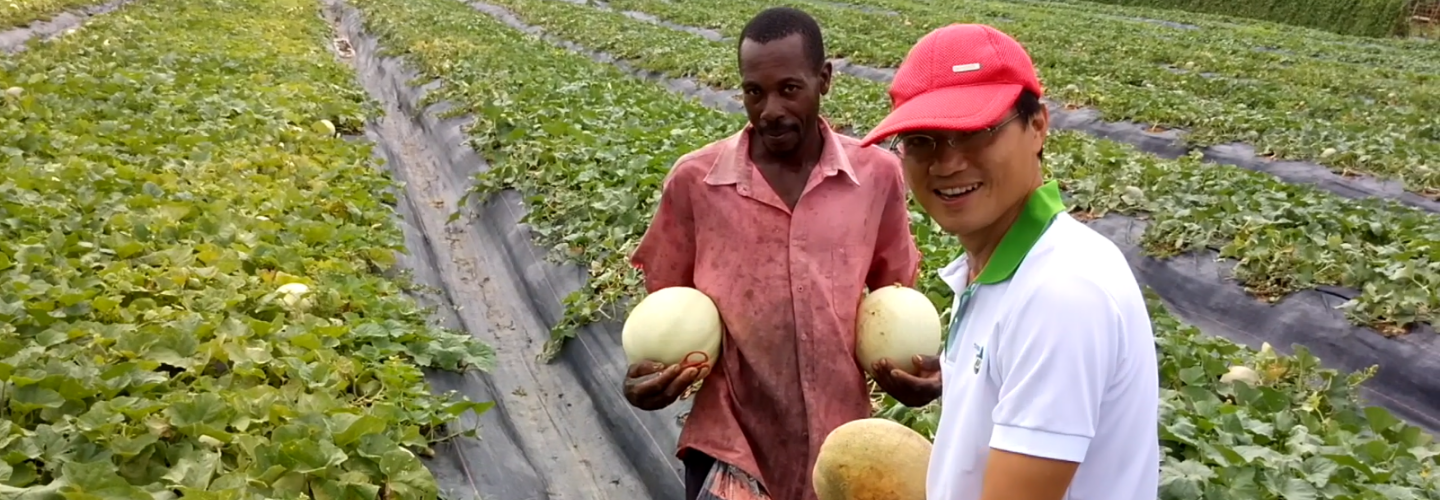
[671,339]
[897,328]
[652,386]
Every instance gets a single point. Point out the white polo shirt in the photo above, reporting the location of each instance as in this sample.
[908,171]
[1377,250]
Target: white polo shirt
[1052,356]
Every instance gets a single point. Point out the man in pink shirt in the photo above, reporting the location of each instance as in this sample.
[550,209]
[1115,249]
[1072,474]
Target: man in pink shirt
[783,225]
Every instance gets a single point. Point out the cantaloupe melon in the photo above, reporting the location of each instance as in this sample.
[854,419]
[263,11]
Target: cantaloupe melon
[896,322]
[673,325]
[872,459]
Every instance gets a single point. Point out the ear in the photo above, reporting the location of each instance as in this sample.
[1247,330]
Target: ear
[1040,128]
[825,73]
[914,175]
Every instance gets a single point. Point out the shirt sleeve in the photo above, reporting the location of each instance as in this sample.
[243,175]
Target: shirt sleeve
[896,259]
[666,254]
[1053,364]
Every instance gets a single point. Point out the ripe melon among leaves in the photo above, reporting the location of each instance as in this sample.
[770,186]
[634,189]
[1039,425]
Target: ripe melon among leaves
[673,325]
[872,459]
[896,322]
[1241,373]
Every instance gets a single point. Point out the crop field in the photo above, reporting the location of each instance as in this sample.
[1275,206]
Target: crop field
[20,12]
[172,169]
[1266,225]
[1361,110]
[159,185]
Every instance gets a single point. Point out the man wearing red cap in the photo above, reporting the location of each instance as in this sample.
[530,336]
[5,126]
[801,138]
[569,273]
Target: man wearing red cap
[783,225]
[1049,373]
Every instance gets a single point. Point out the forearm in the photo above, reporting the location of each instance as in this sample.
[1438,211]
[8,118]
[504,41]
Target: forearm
[923,397]
[1014,476]
[897,259]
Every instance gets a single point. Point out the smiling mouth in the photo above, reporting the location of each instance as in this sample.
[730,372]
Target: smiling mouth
[955,193]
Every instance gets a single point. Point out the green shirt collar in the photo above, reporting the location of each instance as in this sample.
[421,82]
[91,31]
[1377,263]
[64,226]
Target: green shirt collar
[1040,210]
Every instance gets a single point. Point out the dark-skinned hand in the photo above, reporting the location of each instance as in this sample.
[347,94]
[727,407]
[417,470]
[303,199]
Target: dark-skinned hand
[910,389]
[651,386]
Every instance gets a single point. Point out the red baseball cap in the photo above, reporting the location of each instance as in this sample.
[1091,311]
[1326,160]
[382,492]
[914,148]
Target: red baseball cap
[960,77]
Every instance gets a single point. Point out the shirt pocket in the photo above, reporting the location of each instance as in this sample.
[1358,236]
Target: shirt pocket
[845,286]
[846,275]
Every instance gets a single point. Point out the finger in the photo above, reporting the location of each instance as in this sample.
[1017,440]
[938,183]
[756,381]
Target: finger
[882,366]
[681,382]
[644,368]
[900,378]
[926,364]
[655,383]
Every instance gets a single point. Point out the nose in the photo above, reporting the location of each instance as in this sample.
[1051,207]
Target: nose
[949,162]
[771,111]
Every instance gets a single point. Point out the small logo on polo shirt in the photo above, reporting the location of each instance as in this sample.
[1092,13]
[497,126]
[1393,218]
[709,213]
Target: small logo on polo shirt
[979,358]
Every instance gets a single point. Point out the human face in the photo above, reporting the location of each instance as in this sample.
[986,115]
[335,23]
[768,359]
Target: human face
[969,181]
[782,92]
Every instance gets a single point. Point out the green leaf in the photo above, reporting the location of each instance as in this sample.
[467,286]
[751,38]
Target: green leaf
[1184,479]
[30,398]
[307,456]
[1297,489]
[361,427]
[1380,419]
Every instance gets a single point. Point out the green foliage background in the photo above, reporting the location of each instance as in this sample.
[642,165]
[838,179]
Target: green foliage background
[1374,18]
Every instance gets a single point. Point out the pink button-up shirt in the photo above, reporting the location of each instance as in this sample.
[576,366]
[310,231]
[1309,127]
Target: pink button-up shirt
[788,285]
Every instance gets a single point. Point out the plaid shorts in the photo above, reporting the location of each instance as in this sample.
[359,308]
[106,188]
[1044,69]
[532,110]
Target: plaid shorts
[725,482]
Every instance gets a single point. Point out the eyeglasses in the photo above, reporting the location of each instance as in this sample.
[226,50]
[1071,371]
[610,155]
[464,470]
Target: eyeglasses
[923,147]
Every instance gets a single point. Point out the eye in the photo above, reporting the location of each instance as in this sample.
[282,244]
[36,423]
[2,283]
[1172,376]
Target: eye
[917,143]
[792,88]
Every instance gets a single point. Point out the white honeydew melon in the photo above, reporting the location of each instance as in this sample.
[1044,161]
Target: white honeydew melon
[872,459]
[295,295]
[671,324]
[1241,373]
[896,322]
[325,127]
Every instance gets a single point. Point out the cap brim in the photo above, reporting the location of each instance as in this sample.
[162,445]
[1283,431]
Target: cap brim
[966,108]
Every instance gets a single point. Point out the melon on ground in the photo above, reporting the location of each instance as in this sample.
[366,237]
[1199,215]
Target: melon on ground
[673,325]
[896,322]
[872,459]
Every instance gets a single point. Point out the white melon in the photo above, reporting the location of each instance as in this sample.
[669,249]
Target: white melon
[295,295]
[673,325]
[896,322]
[1241,374]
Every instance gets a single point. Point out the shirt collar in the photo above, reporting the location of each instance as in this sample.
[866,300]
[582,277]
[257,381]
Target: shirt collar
[734,165]
[1039,212]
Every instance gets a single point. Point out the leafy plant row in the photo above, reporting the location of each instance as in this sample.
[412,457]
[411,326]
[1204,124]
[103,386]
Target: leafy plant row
[1375,18]
[1284,237]
[191,302]
[589,147]
[1407,55]
[21,12]
[1313,43]
[1261,35]
[1372,118]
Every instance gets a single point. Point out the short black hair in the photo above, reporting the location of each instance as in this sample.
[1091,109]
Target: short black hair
[1026,107]
[778,23]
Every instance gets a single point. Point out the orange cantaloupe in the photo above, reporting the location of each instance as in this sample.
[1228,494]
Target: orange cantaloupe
[872,459]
